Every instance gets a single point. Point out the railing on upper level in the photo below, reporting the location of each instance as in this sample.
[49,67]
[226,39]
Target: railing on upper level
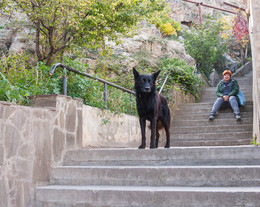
[65,68]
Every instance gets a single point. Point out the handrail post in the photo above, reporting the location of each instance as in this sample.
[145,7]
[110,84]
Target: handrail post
[105,95]
[163,84]
[64,81]
[131,100]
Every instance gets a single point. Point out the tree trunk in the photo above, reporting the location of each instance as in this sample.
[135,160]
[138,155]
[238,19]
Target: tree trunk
[37,42]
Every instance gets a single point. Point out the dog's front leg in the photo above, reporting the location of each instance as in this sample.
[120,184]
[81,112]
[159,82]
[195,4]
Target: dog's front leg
[142,125]
[153,130]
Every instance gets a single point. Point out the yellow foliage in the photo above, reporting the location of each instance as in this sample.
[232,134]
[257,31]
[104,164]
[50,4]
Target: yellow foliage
[169,28]
[227,27]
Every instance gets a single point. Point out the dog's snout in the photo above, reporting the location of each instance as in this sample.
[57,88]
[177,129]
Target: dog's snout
[147,88]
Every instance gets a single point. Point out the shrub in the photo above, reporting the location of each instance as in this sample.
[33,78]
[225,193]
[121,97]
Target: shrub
[17,82]
[206,45]
[179,73]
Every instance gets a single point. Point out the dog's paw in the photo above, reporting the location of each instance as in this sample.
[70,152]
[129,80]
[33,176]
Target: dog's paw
[141,147]
[167,146]
[152,146]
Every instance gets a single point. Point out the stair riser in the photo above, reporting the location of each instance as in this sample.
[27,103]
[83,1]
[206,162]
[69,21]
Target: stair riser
[213,136]
[194,107]
[216,122]
[212,99]
[157,176]
[188,143]
[205,116]
[172,156]
[208,110]
[211,129]
[148,198]
[248,103]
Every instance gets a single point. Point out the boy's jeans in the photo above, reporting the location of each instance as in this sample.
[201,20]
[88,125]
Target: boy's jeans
[220,102]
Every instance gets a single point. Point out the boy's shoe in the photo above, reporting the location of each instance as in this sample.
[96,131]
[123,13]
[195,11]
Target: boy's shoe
[238,117]
[211,117]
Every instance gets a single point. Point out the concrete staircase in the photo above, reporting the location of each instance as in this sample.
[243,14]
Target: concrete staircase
[180,176]
[192,176]
[191,126]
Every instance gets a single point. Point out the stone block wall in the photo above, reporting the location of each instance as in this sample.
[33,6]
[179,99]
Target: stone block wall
[255,45]
[103,128]
[32,139]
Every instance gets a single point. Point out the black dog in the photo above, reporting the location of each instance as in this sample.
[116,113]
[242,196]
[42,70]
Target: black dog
[151,106]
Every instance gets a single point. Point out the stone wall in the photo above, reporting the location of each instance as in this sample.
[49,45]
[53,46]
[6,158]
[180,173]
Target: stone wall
[31,141]
[255,44]
[103,128]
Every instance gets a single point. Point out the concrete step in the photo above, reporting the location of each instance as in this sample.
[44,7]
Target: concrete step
[206,142]
[205,122]
[211,129]
[215,155]
[198,109]
[144,196]
[189,176]
[207,105]
[205,116]
[213,98]
[213,136]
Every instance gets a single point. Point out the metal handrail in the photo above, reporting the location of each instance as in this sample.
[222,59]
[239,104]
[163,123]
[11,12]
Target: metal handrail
[65,68]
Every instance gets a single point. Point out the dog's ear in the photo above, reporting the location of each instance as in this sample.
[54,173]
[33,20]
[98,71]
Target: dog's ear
[136,74]
[155,75]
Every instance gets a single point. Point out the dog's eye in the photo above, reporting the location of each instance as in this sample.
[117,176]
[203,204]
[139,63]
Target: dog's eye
[143,80]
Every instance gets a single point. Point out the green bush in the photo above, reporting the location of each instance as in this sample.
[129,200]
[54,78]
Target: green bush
[179,73]
[206,45]
[17,82]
